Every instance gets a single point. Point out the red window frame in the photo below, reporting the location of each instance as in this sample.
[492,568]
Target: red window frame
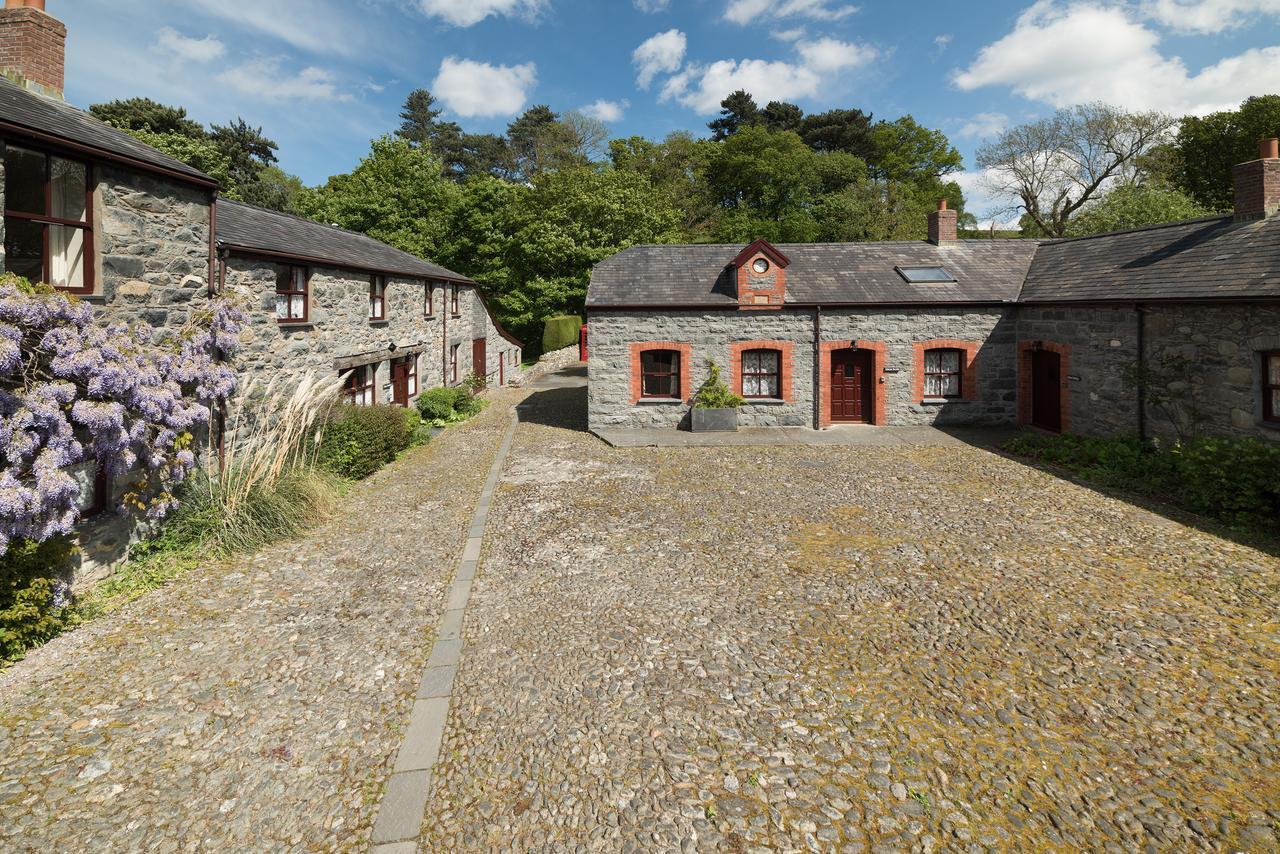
[411,376]
[47,219]
[453,362]
[454,305]
[756,374]
[1269,389]
[286,286]
[428,299]
[958,373]
[361,379]
[377,298]
[672,374]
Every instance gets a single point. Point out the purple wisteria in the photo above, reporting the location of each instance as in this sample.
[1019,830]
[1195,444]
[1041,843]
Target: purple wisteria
[73,390]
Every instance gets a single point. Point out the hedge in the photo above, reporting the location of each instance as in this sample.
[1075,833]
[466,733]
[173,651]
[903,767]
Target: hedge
[560,332]
[359,440]
[31,610]
[442,406]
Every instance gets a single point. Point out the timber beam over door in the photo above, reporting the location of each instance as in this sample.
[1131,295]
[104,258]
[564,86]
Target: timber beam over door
[347,362]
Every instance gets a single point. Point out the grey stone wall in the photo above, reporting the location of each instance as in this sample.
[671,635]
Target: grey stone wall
[711,333]
[1104,343]
[899,329]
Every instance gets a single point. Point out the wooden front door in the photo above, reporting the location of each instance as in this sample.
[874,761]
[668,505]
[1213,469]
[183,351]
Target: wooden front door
[479,358]
[400,382]
[502,369]
[1046,390]
[852,387]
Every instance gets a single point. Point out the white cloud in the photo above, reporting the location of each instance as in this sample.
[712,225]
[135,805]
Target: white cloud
[984,125]
[606,111]
[266,80]
[302,23]
[978,200]
[750,11]
[659,54]
[1064,55]
[173,42]
[1209,16]
[465,13]
[470,88]
[652,6]
[702,88]
[792,35]
[943,41]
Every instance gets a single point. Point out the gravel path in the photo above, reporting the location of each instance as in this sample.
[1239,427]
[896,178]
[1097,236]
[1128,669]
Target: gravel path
[849,649]
[254,706]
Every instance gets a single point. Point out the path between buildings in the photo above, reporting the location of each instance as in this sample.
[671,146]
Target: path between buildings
[253,706]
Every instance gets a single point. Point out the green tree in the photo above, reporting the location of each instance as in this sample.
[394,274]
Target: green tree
[677,169]
[147,115]
[418,118]
[839,130]
[779,115]
[246,148]
[1208,147]
[540,141]
[904,150]
[1133,206]
[737,111]
[197,152]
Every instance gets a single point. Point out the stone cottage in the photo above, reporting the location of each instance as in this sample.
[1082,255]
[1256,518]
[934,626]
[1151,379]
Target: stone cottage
[1166,331]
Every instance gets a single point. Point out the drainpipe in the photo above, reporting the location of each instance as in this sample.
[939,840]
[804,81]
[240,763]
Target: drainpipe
[817,367]
[1141,313]
[444,350]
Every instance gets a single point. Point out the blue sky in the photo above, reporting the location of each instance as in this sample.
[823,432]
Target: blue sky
[323,77]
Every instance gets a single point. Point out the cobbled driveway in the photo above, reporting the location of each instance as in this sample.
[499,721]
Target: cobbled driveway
[250,707]
[850,648]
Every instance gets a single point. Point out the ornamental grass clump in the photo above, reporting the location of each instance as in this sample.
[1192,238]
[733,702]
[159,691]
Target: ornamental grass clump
[75,391]
[714,394]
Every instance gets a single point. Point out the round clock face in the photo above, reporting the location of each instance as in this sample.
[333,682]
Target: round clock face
[760,265]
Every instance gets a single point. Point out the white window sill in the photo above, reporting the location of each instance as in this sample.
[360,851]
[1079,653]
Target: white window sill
[765,401]
[659,401]
[944,401]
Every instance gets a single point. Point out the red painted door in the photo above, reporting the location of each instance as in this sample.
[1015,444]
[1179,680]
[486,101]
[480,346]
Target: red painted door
[400,382]
[502,369]
[852,386]
[479,357]
[1046,390]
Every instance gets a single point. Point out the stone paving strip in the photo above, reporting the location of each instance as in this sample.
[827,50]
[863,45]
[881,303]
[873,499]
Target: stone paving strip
[405,801]
[851,649]
[255,706]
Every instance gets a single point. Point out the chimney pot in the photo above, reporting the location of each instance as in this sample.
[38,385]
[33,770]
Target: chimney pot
[942,204]
[1269,149]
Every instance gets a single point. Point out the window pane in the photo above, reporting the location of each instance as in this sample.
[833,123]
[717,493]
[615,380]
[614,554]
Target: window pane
[658,361]
[66,256]
[951,361]
[658,385]
[297,307]
[282,307]
[24,248]
[24,176]
[951,385]
[933,385]
[1274,372]
[68,188]
[1275,401]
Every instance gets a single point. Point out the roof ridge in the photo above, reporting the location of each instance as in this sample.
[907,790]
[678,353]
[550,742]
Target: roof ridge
[1054,241]
[310,221]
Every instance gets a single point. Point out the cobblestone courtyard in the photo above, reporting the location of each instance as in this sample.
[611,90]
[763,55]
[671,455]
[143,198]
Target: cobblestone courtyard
[785,648]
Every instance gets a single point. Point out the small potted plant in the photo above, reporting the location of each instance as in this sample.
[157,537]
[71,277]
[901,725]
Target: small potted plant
[715,408]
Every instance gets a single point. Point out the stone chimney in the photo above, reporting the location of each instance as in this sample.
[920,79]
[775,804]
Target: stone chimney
[32,47]
[1258,183]
[942,224]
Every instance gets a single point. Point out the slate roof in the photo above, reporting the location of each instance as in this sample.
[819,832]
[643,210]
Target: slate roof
[1200,259]
[986,271]
[253,229]
[47,118]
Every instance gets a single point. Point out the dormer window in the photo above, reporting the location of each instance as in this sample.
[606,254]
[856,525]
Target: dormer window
[761,273]
[925,275]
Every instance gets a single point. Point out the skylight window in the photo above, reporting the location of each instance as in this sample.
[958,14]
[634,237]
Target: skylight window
[925,275]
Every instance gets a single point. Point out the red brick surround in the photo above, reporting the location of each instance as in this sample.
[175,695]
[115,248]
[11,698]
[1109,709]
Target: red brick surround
[1025,348]
[787,366]
[968,368]
[686,358]
[879,390]
[756,292]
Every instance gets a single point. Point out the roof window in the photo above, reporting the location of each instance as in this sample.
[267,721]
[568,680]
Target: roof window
[925,275]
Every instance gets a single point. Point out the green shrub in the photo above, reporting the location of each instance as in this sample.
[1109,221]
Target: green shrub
[441,407]
[714,394]
[1232,480]
[359,440]
[560,332]
[31,610]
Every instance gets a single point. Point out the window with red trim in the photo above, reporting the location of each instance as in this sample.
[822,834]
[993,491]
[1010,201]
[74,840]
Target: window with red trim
[943,370]
[291,295]
[358,389]
[453,300]
[762,374]
[377,297]
[1271,386]
[453,362]
[48,219]
[660,374]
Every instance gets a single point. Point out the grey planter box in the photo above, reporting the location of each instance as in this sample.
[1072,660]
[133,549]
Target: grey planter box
[714,420]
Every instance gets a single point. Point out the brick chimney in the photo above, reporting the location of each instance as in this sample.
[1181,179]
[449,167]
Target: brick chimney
[942,224]
[32,47]
[1258,183]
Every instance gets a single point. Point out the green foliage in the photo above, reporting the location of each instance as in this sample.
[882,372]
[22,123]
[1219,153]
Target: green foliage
[1236,481]
[441,407]
[1133,206]
[714,394]
[197,152]
[560,332]
[134,114]
[31,609]
[359,440]
[1208,147]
